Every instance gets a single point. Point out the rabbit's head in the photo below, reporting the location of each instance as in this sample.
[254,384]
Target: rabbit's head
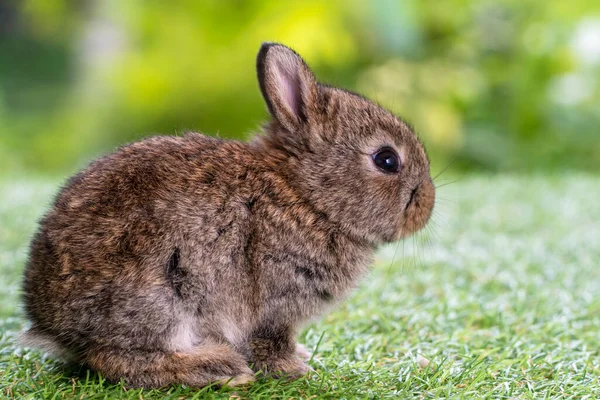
[355,162]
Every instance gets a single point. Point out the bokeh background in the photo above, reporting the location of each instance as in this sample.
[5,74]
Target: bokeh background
[503,85]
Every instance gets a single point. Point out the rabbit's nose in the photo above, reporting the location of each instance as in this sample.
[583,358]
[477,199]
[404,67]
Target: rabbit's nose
[419,206]
[412,196]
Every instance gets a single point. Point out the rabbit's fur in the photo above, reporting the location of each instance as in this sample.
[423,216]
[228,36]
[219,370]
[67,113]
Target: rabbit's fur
[189,260]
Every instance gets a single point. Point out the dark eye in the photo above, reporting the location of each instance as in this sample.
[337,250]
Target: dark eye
[386,160]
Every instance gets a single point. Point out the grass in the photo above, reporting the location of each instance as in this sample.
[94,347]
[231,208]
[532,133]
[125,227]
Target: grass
[499,299]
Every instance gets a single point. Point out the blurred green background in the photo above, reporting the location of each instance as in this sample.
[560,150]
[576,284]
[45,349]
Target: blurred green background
[503,85]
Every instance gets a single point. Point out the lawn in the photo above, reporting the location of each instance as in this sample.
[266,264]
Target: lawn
[499,298]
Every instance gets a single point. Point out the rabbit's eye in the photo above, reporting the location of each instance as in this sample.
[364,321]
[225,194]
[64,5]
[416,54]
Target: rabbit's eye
[386,160]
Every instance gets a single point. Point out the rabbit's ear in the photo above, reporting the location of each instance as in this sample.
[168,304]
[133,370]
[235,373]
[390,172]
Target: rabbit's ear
[287,84]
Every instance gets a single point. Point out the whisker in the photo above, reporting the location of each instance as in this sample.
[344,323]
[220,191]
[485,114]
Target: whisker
[432,231]
[439,198]
[421,251]
[414,256]
[389,269]
[445,199]
[403,264]
[444,170]
[446,184]
[444,179]
[435,222]
[425,244]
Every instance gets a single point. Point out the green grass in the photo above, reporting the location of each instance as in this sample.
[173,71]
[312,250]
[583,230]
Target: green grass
[501,296]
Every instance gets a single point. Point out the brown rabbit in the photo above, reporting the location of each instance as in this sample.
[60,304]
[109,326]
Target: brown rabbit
[190,260]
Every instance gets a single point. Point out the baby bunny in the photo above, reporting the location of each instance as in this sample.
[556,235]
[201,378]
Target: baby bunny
[194,260]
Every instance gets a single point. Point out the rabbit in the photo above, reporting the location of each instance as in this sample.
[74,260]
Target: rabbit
[195,260]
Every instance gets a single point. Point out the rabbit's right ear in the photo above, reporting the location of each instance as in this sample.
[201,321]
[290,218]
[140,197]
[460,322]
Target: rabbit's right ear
[287,85]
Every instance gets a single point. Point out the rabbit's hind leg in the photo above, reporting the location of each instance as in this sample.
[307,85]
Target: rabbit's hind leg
[204,365]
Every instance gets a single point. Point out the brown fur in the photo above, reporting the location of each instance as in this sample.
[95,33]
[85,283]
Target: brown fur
[188,259]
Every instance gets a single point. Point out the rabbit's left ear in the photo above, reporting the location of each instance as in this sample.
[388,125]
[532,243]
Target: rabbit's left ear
[287,85]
